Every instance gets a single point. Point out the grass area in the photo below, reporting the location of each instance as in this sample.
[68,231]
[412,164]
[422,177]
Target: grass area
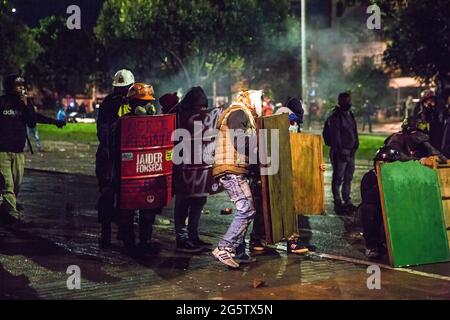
[72,132]
[87,133]
[368,145]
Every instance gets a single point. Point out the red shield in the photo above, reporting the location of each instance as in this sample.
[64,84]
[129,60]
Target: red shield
[146,161]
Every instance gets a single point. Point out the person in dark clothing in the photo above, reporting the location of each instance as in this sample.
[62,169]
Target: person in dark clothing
[445,146]
[188,206]
[367,112]
[107,117]
[370,207]
[342,137]
[167,102]
[296,106]
[412,143]
[15,115]
[433,118]
[140,102]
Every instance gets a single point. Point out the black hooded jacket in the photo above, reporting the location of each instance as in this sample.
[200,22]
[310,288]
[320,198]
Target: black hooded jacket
[343,131]
[15,116]
[436,118]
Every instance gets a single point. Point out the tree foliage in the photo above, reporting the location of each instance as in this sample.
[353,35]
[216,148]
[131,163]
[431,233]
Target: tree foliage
[366,81]
[188,41]
[17,46]
[419,37]
[68,61]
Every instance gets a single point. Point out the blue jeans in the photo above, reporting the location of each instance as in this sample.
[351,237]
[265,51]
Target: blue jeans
[238,189]
[33,132]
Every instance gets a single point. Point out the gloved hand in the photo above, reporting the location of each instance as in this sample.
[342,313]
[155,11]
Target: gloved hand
[60,123]
[442,159]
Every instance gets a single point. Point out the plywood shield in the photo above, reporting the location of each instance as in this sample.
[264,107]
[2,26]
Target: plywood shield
[307,176]
[412,213]
[146,161]
[443,172]
[280,218]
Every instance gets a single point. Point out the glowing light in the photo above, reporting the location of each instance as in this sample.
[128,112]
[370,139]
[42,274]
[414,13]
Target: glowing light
[14,10]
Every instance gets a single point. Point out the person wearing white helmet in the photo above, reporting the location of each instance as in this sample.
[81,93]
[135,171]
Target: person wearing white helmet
[107,116]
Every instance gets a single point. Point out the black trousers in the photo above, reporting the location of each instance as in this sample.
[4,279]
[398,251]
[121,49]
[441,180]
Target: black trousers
[258,231]
[105,208]
[188,207]
[343,170]
[146,221]
[373,227]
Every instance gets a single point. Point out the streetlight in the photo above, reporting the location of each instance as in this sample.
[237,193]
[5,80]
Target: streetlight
[303,55]
[13,10]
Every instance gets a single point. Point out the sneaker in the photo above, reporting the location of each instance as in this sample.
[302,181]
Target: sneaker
[187,247]
[225,256]
[244,259]
[373,253]
[349,207]
[295,248]
[200,243]
[257,246]
[339,209]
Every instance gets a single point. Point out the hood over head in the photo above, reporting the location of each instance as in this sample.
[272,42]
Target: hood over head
[251,99]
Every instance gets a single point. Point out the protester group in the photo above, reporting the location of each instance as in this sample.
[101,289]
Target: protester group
[423,134]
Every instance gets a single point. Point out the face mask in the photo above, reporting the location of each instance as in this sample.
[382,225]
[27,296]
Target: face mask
[346,107]
[256,101]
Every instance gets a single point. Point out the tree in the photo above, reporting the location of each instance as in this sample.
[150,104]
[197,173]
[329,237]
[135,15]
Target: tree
[69,60]
[189,42]
[17,46]
[366,81]
[419,38]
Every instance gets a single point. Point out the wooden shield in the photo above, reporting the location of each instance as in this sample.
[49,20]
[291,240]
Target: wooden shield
[307,176]
[412,214]
[280,218]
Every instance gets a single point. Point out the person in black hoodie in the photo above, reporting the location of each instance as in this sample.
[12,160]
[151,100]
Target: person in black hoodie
[370,207]
[187,238]
[433,116]
[16,113]
[341,134]
[412,142]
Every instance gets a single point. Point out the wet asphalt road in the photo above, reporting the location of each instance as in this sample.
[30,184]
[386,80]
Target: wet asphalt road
[60,230]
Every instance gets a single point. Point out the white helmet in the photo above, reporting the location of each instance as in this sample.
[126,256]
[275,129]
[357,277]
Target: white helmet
[123,78]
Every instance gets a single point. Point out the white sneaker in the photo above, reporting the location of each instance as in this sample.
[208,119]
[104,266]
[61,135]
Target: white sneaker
[226,257]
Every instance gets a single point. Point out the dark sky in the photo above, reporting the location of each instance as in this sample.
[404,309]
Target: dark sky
[31,11]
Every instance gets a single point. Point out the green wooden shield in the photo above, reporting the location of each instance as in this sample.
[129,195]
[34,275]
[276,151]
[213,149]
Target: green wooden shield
[413,214]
